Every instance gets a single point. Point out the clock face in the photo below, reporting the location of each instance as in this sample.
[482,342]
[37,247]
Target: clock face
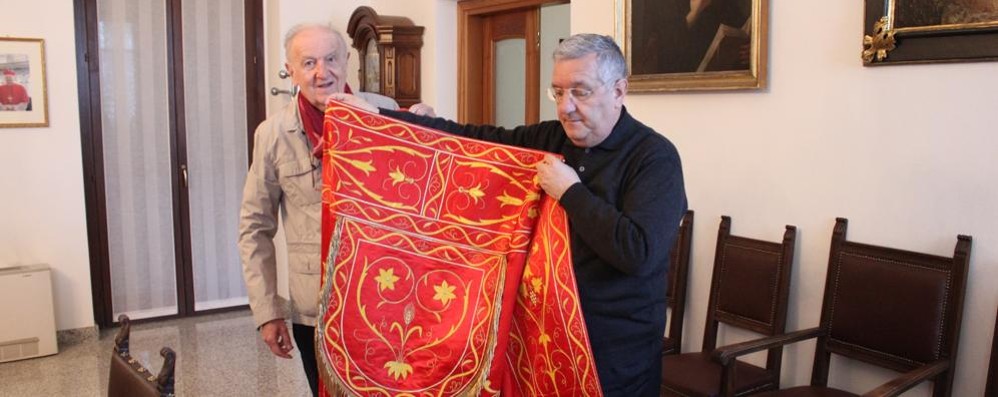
[372,68]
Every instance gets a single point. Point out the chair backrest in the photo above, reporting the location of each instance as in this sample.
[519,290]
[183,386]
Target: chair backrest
[129,378]
[889,307]
[679,271]
[750,286]
[992,387]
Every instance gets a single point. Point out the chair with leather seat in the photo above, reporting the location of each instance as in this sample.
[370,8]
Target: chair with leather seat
[749,290]
[679,271]
[992,387]
[129,378]
[896,309]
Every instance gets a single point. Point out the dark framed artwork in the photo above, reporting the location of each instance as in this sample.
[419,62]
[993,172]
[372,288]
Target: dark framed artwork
[928,31]
[683,45]
[23,101]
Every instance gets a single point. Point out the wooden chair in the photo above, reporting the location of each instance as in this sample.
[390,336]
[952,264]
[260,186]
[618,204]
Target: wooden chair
[888,307]
[749,289]
[679,271]
[129,378]
[992,387]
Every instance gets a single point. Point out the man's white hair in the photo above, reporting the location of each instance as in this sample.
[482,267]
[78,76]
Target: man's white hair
[290,35]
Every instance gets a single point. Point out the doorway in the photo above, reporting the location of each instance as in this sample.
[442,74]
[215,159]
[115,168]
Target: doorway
[504,50]
[169,93]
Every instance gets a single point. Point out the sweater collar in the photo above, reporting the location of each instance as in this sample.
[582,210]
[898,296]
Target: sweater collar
[620,132]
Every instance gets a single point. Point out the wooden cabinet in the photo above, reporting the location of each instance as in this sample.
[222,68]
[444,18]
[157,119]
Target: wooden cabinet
[389,49]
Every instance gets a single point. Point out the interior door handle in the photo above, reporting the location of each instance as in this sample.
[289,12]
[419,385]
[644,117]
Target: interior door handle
[183,175]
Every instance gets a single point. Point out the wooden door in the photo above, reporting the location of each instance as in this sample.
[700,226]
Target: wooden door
[487,30]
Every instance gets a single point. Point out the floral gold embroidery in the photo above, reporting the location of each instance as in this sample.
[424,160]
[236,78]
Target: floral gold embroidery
[444,293]
[386,279]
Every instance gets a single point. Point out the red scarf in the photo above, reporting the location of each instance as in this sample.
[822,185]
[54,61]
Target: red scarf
[311,120]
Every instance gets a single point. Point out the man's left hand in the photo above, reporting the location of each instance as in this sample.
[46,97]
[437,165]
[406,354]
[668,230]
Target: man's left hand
[353,100]
[555,177]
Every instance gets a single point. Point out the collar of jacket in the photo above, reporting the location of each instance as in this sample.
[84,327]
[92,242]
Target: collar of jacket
[291,122]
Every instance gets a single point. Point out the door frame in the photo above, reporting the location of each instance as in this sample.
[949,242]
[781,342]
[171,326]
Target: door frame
[91,137]
[470,34]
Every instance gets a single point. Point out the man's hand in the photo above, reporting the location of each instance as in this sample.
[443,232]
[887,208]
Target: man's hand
[422,109]
[353,100]
[555,177]
[275,335]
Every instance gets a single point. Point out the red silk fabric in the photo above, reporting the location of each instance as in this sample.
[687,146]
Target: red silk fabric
[446,270]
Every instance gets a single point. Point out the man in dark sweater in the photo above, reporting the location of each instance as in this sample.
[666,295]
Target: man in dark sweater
[621,184]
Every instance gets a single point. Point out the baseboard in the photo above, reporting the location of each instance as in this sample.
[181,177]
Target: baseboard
[69,337]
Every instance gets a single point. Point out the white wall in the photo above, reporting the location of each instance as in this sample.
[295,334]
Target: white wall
[907,153]
[555,25]
[42,218]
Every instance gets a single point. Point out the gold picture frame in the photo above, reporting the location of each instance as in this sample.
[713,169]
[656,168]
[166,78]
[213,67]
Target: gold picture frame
[929,32]
[23,95]
[672,46]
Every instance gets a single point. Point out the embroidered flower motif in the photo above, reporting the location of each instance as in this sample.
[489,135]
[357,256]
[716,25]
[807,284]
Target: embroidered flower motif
[386,279]
[398,177]
[544,339]
[398,369]
[476,193]
[444,293]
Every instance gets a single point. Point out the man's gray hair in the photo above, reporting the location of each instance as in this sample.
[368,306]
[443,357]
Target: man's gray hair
[290,35]
[609,59]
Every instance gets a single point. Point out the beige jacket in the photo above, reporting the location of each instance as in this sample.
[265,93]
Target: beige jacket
[284,176]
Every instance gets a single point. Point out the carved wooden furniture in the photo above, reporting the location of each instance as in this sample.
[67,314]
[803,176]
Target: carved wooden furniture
[679,270]
[389,49]
[896,309]
[129,378]
[749,290]
[992,387]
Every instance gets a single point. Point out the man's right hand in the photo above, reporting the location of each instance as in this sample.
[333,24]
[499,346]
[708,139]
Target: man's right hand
[275,335]
[422,109]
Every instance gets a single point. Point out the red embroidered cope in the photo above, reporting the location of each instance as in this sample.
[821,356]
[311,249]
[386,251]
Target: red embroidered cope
[446,268]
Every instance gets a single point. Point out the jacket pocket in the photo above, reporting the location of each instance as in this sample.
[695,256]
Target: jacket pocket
[301,182]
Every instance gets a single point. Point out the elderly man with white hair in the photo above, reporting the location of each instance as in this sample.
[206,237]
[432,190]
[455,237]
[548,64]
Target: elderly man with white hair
[286,175]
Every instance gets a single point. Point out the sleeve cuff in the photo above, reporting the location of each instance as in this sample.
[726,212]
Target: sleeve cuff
[272,311]
[574,198]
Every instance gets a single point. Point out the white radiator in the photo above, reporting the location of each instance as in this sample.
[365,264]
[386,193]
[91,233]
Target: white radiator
[27,318]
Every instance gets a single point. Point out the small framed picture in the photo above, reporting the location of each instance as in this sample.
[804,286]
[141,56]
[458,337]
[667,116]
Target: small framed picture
[23,101]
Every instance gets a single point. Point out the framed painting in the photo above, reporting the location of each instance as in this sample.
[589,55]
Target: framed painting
[23,101]
[928,31]
[684,45]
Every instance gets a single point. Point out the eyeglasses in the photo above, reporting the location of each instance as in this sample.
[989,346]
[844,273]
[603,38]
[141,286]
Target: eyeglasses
[558,94]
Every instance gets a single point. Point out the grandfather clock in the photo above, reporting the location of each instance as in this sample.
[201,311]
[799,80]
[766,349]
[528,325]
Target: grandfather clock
[389,49]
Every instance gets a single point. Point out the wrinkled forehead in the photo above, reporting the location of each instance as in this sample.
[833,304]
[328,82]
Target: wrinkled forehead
[314,43]
[576,72]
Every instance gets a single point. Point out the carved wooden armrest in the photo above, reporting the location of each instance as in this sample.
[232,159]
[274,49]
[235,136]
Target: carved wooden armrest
[909,379]
[727,354]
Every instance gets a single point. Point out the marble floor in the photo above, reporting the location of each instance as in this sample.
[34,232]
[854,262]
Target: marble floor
[217,355]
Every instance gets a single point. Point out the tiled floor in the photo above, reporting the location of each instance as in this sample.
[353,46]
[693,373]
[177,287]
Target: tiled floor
[217,355]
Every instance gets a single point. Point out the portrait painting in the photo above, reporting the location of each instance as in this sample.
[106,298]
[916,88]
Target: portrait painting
[925,31]
[693,44]
[22,87]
